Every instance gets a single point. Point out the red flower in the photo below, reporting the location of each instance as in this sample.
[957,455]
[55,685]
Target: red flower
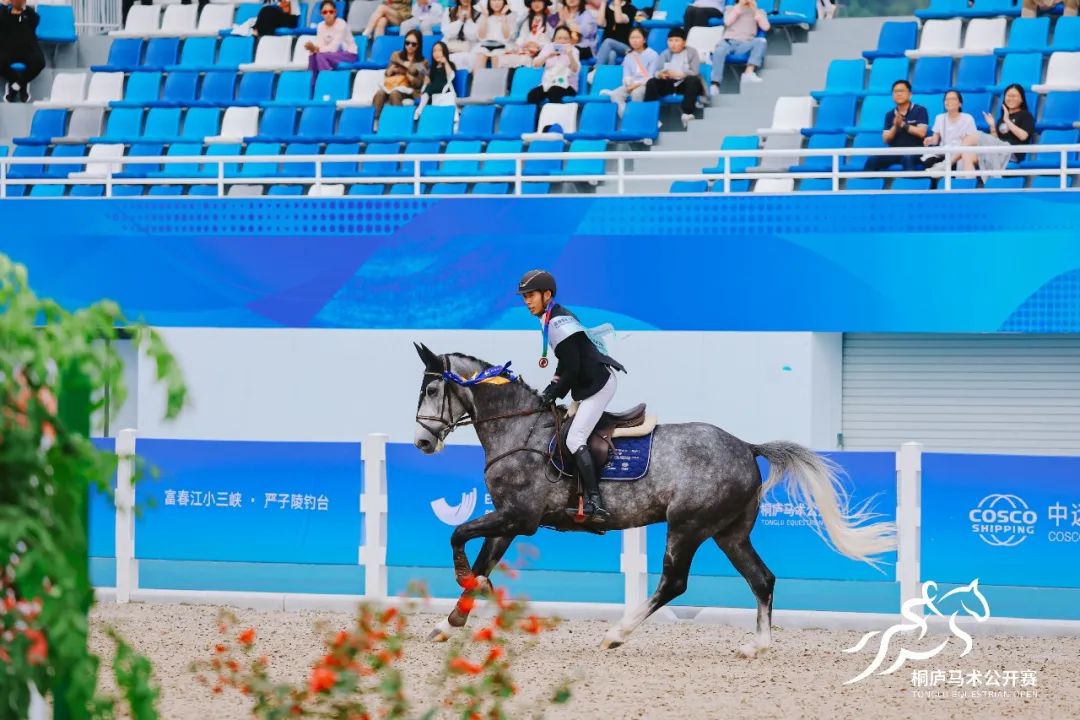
[233,665]
[465,604]
[484,634]
[39,648]
[389,615]
[501,598]
[493,655]
[219,648]
[461,665]
[531,624]
[322,679]
[340,639]
[217,689]
[247,637]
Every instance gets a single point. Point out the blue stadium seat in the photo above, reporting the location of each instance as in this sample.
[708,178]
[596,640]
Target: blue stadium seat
[142,149]
[449,189]
[179,91]
[488,188]
[585,166]
[45,125]
[657,39]
[460,168]
[331,86]
[1049,159]
[640,122]
[815,185]
[515,121]
[161,53]
[125,55]
[26,171]
[834,113]
[260,168]
[381,169]
[739,164]
[1047,182]
[277,124]
[395,125]
[477,122]
[142,87]
[864,184]
[316,124]
[535,188]
[607,77]
[381,50]
[1027,35]
[934,104]
[234,51]
[932,75]
[197,54]
[1060,111]
[127,190]
[207,190]
[340,168]
[845,77]
[200,123]
[872,114]
[820,163]
[857,163]
[300,169]
[367,189]
[436,123]
[401,189]
[39,191]
[597,122]
[524,80]
[991,8]
[500,166]
[247,11]
[1004,183]
[56,24]
[796,12]
[165,190]
[217,89]
[289,190]
[1022,68]
[960,184]
[255,89]
[355,123]
[162,126]
[884,72]
[87,191]
[65,151]
[683,187]
[186,169]
[911,184]
[975,104]
[421,147]
[942,10]
[1066,35]
[975,74]
[222,150]
[737,186]
[293,88]
[673,12]
[894,38]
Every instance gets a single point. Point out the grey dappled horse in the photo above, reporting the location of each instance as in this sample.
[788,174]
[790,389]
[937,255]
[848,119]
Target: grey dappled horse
[702,481]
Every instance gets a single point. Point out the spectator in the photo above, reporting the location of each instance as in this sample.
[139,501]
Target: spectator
[639,66]
[582,23]
[19,44]
[391,12]
[701,12]
[272,16]
[439,87]
[461,31]
[679,73]
[426,14]
[334,43]
[1032,7]
[617,21]
[741,22]
[1016,126]
[533,34]
[404,75]
[905,126]
[952,128]
[496,33]
[561,65]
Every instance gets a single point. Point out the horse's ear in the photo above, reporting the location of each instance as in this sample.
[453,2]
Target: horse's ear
[430,359]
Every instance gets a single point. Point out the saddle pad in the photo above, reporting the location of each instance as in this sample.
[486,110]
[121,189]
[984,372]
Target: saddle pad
[628,462]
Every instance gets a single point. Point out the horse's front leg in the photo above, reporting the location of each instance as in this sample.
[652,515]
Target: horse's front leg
[486,560]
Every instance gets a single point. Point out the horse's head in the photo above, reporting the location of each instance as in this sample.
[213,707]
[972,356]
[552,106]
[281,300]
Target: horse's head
[971,599]
[440,407]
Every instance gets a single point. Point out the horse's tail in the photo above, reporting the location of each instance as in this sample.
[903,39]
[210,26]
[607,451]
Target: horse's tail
[815,481]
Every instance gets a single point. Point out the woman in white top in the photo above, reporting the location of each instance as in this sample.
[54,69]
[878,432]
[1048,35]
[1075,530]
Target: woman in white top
[496,33]
[334,43]
[951,127]
[460,28]
[533,34]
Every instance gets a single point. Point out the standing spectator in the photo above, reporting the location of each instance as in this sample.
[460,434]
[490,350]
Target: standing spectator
[1032,7]
[404,75]
[952,128]
[582,23]
[561,67]
[272,16]
[461,31]
[534,34]
[334,43]
[905,126]
[496,34]
[679,73]
[391,12]
[18,44]
[701,12]
[1016,126]
[617,21]
[741,24]
[426,14]
[639,66]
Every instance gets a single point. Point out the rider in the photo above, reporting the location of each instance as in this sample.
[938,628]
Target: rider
[583,371]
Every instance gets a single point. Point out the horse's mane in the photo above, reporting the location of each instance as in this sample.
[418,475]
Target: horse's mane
[484,365]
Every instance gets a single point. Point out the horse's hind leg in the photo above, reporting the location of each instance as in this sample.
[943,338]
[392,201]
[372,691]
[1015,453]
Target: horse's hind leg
[491,552]
[735,542]
[681,546]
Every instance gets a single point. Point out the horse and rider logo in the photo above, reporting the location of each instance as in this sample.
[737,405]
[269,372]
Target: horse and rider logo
[455,514]
[914,627]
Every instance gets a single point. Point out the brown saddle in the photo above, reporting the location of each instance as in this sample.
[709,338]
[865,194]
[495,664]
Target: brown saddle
[600,444]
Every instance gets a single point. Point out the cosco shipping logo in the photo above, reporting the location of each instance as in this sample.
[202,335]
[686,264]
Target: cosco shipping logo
[1003,520]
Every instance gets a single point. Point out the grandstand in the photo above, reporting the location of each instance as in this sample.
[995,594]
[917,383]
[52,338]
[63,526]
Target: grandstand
[174,104]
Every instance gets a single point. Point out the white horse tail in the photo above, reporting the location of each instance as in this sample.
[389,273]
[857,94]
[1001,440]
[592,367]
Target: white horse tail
[815,481]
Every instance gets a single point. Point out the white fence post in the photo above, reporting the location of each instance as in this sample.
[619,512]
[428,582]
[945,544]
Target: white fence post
[634,565]
[127,574]
[39,709]
[373,504]
[908,519]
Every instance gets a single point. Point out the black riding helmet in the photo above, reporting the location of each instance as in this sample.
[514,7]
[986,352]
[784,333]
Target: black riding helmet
[538,280]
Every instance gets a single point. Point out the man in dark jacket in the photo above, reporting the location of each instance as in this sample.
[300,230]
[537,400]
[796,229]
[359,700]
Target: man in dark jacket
[19,44]
[583,371]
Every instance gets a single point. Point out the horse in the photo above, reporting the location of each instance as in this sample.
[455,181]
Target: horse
[704,482]
[912,622]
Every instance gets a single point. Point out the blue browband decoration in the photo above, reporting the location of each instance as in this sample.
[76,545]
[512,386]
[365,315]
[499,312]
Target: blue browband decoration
[493,374]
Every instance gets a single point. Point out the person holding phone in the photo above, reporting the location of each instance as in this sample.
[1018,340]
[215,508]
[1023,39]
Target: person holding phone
[742,22]
[561,65]
[617,21]
[905,126]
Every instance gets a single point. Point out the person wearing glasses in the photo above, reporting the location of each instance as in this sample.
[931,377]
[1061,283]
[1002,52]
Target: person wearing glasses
[391,12]
[334,43]
[404,76]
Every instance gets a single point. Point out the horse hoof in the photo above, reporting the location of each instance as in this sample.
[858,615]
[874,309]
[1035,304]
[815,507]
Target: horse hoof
[609,644]
[441,633]
[750,651]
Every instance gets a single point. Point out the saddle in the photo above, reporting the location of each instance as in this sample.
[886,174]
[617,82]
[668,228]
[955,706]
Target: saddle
[629,423]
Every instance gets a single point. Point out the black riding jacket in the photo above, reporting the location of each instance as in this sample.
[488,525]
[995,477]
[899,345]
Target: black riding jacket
[582,370]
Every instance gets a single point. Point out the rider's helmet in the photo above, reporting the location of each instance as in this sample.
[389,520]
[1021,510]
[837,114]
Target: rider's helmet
[538,280]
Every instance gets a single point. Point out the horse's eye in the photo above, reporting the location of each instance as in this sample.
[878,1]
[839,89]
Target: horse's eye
[431,391]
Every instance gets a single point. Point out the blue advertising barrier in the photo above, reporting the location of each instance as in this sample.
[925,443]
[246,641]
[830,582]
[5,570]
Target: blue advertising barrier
[1008,520]
[250,501]
[811,575]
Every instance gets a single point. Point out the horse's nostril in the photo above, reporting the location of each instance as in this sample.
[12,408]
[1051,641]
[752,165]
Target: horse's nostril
[423,444]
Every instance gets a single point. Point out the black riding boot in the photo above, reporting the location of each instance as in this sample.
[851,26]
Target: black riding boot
[590,481]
